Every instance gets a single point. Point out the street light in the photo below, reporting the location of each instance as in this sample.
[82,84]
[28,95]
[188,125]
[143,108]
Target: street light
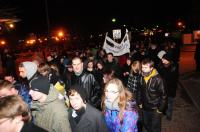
[11,25]
[60,34]
[48,23]
[113,20]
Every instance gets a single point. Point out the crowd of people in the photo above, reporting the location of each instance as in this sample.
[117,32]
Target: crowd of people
[91,91]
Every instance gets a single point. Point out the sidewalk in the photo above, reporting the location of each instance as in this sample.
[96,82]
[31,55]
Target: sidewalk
[191,84]
[186,116]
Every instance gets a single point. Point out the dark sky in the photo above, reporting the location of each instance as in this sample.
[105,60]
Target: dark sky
[91,16]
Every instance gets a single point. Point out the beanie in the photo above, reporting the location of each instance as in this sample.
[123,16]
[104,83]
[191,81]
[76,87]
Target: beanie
[161,53]
[80,90]
[40,84]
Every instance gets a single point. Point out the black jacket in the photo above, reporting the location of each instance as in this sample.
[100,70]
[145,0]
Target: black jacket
[170,76]
[153,94]
[91,121]
[88,82]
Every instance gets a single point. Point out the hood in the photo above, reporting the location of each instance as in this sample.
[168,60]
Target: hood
[153,73]
[31,68]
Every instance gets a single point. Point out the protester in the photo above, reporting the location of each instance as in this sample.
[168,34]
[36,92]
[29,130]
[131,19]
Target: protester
[48,111]
[118,107]
[87,81]
[7,88]
[153,97]
[169,72]
[22,88]
[82,116]
[15,116]
[134,86]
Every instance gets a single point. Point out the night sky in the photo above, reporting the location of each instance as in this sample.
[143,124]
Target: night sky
[90,16]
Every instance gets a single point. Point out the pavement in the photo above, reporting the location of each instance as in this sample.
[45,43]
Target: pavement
[186,114]
[191,84]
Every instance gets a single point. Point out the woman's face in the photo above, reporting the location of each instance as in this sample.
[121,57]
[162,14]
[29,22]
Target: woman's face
[90,65]
[111,92]
[99,66]
[128,62]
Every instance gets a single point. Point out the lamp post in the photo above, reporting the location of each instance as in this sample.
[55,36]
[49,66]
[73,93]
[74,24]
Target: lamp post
[48,22]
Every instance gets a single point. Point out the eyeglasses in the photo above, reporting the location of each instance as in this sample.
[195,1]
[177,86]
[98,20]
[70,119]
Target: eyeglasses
[112,92]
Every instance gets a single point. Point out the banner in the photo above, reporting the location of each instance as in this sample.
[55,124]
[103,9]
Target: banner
[117,49]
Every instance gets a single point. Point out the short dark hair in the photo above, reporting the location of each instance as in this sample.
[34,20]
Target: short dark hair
[109,53]
[148,61]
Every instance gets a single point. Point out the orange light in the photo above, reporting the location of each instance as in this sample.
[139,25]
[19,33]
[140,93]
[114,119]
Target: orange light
[60,34]
[56,38]
[11,25]
[180,23]
[3,42]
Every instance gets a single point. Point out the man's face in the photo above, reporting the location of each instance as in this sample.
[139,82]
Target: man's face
[76,101]
[164,61]
[9,78]
[110,58]
[36,95]
[146,68]
[77,65]
[7,92]
[22,72]
[49,58]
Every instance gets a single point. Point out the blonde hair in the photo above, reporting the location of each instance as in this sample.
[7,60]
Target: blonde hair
[12,106]
[44,69]
[136,67]
[124,96]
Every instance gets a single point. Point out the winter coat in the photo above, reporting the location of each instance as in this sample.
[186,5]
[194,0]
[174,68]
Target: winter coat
[134,85]
[24,92]
[170,75]
[51,115]
[91,121]
[153,92]
[128,124]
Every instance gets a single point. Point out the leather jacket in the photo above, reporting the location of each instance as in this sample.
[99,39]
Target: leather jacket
[89,83]
[153,94]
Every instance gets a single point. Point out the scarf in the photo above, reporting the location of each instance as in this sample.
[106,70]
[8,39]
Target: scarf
[112,105]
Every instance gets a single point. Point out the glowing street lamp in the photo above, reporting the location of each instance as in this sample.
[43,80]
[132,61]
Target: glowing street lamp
[60,34]
[3,42]
[11,25]
[114,20]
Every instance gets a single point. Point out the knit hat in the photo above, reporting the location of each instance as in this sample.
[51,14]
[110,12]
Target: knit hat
[80,90]
[167,57]
[31,68]
[161,53]
[40,84]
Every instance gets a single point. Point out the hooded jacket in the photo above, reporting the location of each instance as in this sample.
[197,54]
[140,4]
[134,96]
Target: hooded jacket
[31,69]
[52,114]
